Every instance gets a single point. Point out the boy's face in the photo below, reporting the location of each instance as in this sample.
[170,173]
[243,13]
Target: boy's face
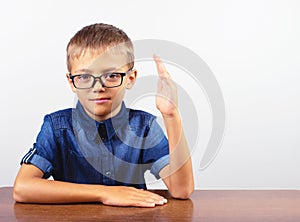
[101,103]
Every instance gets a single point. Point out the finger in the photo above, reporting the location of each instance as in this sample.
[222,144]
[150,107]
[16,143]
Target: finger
[149,202]
[150,197]
[158,200]
[145,204]
[161,69]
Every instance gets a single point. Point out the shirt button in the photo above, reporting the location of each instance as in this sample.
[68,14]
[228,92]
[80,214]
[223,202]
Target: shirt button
[108,173]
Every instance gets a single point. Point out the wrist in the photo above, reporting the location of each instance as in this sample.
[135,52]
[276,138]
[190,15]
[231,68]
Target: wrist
[101,193]
[171,116]
[172,121]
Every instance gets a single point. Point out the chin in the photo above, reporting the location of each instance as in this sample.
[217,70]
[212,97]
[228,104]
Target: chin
[104,113]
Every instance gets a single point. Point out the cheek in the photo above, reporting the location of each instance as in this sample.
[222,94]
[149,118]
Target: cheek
[120,93]
[81,94]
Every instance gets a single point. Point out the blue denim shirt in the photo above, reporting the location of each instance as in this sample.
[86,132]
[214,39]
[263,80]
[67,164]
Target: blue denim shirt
[73,147]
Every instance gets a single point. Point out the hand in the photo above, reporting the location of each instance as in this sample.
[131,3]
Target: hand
[130,196]
[166,96]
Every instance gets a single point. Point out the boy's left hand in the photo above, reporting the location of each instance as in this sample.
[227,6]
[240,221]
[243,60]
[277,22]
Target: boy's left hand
[166,96]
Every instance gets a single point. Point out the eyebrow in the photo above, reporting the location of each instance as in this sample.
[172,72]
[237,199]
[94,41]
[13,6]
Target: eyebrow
[83,71]
[111,69]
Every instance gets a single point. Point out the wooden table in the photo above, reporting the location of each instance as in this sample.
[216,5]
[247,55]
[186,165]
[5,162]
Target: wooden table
[204,205]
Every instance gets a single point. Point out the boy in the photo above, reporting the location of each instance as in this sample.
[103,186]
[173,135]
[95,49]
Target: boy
[99,151]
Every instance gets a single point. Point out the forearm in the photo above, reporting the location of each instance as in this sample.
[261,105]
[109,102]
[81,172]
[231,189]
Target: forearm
[178,175]
[38,190]
[30,187]
[47,191]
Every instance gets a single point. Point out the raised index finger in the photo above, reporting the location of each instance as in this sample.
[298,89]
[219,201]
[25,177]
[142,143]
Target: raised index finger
[161,69]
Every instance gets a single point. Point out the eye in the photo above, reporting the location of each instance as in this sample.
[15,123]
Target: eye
[85,77]
[112,76]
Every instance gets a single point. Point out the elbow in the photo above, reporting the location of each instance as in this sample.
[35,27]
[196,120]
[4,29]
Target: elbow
[19,193]
[183,194]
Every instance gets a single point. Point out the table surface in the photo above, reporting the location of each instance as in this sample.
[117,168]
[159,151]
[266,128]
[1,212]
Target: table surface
[204,205]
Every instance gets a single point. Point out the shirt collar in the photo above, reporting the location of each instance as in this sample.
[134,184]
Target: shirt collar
[82,121]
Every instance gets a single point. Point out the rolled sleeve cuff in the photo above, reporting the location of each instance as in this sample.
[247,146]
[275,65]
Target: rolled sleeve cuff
[159,164]
[38,161]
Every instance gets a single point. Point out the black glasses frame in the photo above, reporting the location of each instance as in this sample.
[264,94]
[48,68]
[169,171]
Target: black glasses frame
[72,77]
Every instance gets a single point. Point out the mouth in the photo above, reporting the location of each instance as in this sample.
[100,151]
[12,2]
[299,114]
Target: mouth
[100,100]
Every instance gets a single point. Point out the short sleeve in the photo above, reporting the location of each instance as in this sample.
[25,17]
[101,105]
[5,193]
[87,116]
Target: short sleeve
[156,149]
[44,149]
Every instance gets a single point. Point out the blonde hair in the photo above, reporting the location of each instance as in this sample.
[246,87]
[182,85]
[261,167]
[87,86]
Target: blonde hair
[98,38]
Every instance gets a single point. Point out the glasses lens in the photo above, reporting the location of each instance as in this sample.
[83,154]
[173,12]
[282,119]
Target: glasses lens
[111,79]
[84,81]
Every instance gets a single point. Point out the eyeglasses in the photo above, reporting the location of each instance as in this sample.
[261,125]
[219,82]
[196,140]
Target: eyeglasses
[108,80]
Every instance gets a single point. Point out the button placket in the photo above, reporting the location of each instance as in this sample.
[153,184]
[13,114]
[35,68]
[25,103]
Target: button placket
[102,132]
[107,167]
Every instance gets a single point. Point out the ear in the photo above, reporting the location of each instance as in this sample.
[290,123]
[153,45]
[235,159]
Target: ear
[70,83]
[131,77]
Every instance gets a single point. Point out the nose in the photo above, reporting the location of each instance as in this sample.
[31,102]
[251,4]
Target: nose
[98,86]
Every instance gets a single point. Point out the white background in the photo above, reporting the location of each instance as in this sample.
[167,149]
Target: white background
[252,47]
